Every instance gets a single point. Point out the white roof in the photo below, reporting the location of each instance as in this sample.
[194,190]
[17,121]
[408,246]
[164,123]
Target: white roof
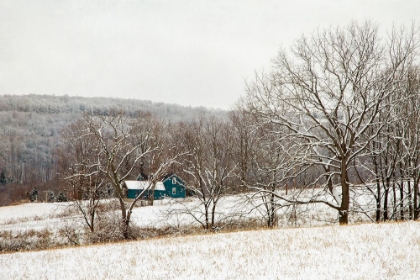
[141,185]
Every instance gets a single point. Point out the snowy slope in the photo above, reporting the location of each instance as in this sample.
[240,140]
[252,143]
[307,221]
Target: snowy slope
[384,251]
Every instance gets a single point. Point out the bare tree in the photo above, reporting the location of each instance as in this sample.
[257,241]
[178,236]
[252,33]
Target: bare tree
[406,145]
[122,144]
[208,166]
[412,141]
[328,94]
[80,171]
[165,154]
[269,174]
[394,153]
[244,132]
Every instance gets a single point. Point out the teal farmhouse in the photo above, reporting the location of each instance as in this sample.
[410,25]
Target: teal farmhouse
[174,186]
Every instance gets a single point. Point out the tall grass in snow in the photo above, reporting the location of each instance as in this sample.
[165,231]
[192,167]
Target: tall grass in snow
[383,251]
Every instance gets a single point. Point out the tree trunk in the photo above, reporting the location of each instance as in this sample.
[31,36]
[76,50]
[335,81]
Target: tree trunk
[394,206]
[416,201]
[206,211]
[345,199]
[386,191]
[378,201]
[344,217]
[151,196]
[378,187]
[410,201]
[271,212]
[125,229]
[213,215]
[402,200]
[92,220]
[124,219]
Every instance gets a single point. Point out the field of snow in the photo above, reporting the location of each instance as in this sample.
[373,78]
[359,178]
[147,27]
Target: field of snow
[168,212]
[369,251]
[353,252]
[48,225]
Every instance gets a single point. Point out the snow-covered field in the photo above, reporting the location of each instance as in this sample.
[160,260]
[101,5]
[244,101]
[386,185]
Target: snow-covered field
[389,251]
[168,213]
[369,251]
[48,225]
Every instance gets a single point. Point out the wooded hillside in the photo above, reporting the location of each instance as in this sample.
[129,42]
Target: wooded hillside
[30,127]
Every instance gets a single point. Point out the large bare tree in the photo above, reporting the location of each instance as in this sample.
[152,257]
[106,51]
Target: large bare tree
[122,145]
[327,93]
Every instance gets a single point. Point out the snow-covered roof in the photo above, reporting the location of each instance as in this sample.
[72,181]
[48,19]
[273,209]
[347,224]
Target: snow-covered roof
[141,185]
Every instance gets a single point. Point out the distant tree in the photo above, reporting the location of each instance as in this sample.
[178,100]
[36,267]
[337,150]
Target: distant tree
[61,197]
[3,180]
[50,196]
[33,195]
[245,136]
[396,153]
[208,166]
[79,170]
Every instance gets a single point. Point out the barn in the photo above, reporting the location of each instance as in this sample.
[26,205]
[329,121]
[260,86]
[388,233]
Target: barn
[134,188]
[174,186]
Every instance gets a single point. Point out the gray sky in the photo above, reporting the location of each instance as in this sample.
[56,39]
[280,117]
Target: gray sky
[194,53]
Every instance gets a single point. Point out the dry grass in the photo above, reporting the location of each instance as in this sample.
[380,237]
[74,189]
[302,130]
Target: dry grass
[26,240]
[19,202]
[108,230]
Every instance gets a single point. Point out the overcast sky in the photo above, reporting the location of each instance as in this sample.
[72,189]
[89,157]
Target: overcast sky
[194,53]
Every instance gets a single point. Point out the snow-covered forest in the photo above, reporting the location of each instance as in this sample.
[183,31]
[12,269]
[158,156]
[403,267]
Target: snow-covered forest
[31,130]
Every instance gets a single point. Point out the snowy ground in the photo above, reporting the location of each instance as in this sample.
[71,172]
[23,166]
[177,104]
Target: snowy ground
[168,213]
[53,223]
[33,215]
[363,251]
[369,251]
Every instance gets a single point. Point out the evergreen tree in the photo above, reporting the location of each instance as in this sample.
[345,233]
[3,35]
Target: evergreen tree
[33,195]
[3,180]
[51,196]
[61,197]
